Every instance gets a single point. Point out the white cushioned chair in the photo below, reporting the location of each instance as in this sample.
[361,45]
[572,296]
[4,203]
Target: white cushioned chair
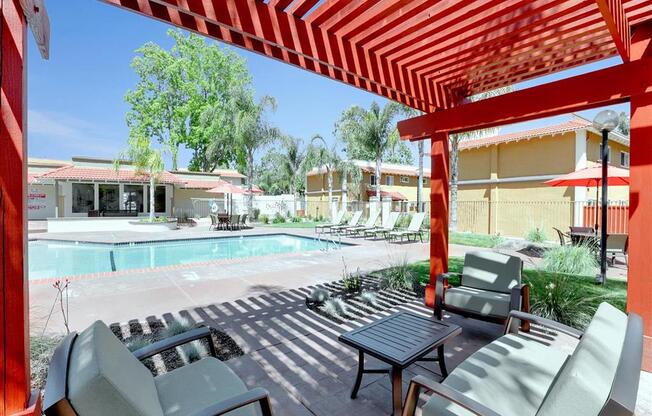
[93,373]
[518,376]
[490,287]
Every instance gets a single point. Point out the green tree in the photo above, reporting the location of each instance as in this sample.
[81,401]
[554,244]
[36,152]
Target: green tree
[370,132]
[147,161]
[323,157]
[292,163]
[184,96]
[268,177]
[623,123]
[251,132]
[455,140]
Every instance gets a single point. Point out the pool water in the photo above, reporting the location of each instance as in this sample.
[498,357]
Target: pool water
[49,259]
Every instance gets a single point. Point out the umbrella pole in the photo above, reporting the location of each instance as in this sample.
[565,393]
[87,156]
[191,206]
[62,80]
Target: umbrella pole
[602,277]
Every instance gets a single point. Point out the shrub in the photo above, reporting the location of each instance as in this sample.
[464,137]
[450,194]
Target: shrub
[398,276]
[136,342]
[351,281]
[578,259]
[255,213]
[192,351]
[319,295]
[536,235]
[278,218]
[263,219]
[41,348]
[296,219]
[369,297]
[495,239]
[176,327]
[561,299]
[335,307]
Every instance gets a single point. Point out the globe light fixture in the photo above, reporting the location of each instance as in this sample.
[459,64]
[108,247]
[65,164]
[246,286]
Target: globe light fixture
[606,120]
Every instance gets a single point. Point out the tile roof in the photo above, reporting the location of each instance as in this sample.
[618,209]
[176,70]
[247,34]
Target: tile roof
[385,169]
[201,183]
[106,174]
[574,124]
[396,196]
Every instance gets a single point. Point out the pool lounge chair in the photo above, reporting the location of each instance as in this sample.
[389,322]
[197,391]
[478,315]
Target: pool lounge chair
[93,373]
[369,225]
[353,222]
[413,230]
[326,228]
[387,226]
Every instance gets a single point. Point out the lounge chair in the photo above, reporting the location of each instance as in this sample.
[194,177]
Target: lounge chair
[93,373]
[214,222]
[388,226]
[413,230]
[326,228]
[490,288]
[369,225]
[517,375]
[617,244]
[353,222]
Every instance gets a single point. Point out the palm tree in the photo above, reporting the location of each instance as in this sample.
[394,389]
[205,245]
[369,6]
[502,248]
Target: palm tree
[147,161]
[455,140]
[373,129]
[251,131]
[322,156]
[292,162]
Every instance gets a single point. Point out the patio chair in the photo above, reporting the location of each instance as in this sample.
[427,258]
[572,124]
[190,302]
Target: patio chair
[413,230]
[214,222]
[564,239]
[388,226]
[326,228]
[617,244]
[353,222]
[369,225]
[490,287]
[243,221]
[519,376]
[234,222]
[93,373]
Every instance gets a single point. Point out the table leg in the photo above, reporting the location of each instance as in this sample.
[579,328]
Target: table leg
[442,362]
[358,378]
[397,390]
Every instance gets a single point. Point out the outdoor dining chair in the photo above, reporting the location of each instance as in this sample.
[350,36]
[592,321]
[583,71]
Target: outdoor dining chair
[234,222]
[564,239]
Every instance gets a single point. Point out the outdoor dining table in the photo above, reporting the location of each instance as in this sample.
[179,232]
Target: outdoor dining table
[223,220]
[399,340]
[579,238]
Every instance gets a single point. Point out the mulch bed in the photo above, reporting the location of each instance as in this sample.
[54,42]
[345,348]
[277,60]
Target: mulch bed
[142,333]
[356,307]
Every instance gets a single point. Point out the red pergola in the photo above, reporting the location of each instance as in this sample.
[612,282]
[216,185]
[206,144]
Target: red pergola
[427,54]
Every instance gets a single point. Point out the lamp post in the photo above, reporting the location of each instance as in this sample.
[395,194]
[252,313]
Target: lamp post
[605,121]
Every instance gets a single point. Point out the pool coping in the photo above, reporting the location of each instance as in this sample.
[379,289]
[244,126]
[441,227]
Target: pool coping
[185,266]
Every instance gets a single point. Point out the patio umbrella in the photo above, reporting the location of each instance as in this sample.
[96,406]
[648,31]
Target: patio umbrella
[228,189]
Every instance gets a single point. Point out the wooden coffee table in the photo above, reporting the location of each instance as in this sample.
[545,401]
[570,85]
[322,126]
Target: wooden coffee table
[399,340]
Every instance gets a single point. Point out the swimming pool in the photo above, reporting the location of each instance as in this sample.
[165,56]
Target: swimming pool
[48,259]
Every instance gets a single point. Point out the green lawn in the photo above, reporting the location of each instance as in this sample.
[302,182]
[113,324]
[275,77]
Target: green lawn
[572,289]
[476,240]
[308,224]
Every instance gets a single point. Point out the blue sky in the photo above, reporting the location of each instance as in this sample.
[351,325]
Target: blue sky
[75,99]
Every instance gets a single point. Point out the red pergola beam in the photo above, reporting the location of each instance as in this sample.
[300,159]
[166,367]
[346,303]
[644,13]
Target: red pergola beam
[607,86]
[614,16]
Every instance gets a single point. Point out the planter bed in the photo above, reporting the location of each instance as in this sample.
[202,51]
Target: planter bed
[356,307]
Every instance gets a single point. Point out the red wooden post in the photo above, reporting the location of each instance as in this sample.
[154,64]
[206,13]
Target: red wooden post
[438,212]
[14,318]
[639,284]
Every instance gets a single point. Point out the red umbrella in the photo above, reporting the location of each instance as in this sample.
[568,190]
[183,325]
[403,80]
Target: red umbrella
[592,176]
[226,188]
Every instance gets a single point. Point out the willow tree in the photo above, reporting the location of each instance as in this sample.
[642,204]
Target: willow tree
[455,140]
[147,161]
[373,131]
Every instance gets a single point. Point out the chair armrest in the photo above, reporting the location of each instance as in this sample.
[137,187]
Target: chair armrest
[225,406]
[454,396]
[440,286]
[548,323]
[175,341]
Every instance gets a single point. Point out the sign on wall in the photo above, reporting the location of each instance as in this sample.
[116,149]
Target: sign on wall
[40,202]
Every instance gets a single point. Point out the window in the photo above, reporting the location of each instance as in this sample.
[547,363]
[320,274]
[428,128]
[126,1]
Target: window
[389,180]
[426,181]
[83,197]
[132,198]
[405,179]
[109,199]
[624,159]
[372,179]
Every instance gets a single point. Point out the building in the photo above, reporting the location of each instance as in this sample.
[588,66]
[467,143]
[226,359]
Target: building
[501,178]
[398,182]
[86,185]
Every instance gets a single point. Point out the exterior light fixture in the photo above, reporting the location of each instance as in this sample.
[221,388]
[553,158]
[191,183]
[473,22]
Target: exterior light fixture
[605,121]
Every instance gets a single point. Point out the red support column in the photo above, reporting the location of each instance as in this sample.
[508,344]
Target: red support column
[14,320]
[438,212]
[639,283]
